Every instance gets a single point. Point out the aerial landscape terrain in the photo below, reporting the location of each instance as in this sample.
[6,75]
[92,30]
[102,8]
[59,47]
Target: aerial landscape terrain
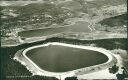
[46,39]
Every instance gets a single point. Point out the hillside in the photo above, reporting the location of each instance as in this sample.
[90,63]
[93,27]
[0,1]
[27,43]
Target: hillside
[24,16]
[115,21]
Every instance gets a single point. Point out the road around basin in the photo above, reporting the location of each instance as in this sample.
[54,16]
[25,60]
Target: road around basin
[33,68]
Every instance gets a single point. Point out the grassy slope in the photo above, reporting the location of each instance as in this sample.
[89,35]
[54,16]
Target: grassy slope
[115,21]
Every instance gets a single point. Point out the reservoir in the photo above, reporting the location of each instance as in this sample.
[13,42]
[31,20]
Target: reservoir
[59,58]
[80,26]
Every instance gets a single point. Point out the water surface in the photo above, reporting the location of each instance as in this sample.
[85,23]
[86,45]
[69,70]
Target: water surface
[56,58]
